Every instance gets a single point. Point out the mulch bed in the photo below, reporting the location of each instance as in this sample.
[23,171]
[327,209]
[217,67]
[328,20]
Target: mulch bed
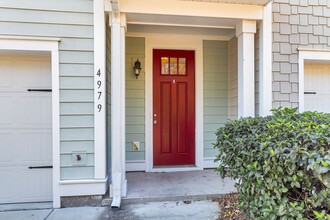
[229,208]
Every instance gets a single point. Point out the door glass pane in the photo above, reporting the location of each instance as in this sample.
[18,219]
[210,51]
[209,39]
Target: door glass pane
[173,65]
[164,61]
[182,66]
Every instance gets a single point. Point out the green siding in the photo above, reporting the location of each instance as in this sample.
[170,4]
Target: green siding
[72,22]
[215,83]
[135,99]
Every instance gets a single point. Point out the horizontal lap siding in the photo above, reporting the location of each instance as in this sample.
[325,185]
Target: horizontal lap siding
[135,99]
[72,22]
[233,78]
[215,91]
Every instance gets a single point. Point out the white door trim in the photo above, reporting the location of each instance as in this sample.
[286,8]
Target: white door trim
[177,42]
[308,54]
[11,43]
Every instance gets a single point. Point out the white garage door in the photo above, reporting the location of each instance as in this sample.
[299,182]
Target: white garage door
[317,87]
[25,129]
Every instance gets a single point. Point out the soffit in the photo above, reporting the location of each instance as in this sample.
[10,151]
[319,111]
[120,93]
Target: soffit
[245,2]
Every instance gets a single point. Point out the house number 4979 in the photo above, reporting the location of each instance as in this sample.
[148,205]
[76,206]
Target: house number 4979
[98,90]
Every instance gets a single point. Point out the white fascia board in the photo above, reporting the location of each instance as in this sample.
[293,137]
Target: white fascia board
[192,8]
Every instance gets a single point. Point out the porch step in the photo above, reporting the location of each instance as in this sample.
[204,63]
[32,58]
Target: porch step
[126,201]
[176,186]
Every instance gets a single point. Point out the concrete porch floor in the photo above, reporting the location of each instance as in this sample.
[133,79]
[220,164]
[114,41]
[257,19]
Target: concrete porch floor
[175,186]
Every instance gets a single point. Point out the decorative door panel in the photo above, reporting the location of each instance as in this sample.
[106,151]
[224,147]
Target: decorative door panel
[173,107]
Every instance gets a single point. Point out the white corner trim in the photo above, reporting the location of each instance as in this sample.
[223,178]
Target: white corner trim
[99,91]
[308,54]
[177,42]
[209,162]
[135,165]
[265,64]
[51,46]
[83,187]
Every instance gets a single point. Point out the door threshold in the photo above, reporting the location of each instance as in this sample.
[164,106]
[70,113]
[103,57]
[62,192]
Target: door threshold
[175,168]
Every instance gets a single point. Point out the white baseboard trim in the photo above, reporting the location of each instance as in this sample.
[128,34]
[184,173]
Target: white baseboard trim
[83,187]
[135,165]
[209,162]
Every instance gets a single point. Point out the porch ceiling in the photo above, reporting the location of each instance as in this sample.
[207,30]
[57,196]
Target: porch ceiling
[177,20]
[175,24]
[226,34]
[245,2]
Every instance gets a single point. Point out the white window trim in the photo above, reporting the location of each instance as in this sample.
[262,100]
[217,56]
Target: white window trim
[13,43]
[308,54]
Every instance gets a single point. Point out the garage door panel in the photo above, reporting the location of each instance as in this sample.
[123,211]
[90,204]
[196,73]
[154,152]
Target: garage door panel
[6,110]
[25,129]
[317,80]
[8,185]
[32,189]
[33,74]
[6,143]
[34,147]
[6,74]
[29,105]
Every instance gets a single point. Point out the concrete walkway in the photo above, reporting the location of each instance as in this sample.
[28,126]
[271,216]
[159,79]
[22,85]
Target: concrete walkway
[175,186]
[177,195]
[173,210]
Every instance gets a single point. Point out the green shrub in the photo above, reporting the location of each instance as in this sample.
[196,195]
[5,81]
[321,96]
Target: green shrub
[281,163]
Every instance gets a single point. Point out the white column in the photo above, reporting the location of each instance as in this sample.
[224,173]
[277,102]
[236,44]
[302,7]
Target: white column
[245,31]
[123,101]
[118,29]
[265,62]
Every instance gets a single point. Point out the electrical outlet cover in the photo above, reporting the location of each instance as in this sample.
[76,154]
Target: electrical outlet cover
[79,158]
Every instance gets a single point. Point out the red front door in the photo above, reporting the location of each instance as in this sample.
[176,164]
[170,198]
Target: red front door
[173,107]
